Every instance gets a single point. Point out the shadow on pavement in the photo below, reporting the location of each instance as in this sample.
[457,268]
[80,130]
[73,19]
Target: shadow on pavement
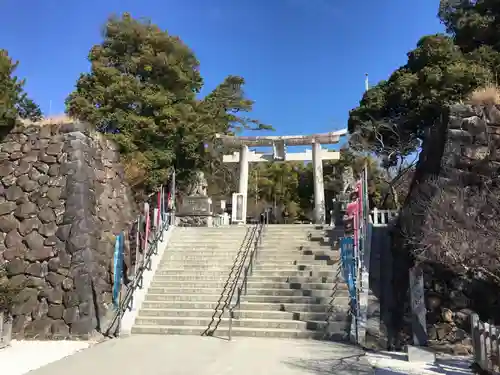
[349,360]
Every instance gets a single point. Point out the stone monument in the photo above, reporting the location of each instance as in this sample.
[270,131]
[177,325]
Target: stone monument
[418,351]
[196,209]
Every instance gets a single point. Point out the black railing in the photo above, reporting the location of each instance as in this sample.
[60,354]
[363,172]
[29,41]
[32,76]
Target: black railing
[148,235]
[127,301]
[239,259]
[241,287]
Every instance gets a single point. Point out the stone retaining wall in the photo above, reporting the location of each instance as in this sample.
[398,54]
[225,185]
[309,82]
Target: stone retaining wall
[62,200]
[458,162]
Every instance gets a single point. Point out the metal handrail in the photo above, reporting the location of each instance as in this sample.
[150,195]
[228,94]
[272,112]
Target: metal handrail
[236,266]
[243,286]
[127,302]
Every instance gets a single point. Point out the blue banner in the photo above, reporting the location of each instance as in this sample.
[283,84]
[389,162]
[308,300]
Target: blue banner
[348,263]
[118,269]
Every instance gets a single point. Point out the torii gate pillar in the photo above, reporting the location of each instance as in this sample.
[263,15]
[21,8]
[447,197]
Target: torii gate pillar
[243,181]
[319,188]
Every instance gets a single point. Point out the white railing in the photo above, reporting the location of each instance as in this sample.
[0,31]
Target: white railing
[485,345]
[221,220]
[382,217]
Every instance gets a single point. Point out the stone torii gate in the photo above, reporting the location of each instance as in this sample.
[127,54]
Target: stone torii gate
[280,154]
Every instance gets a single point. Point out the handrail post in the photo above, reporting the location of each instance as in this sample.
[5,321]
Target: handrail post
[230,324]
[241,287]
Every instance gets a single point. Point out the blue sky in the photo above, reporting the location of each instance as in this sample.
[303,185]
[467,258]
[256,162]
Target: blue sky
[304,60]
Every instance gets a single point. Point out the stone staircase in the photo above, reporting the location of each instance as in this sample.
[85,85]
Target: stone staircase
[193,275]
[294,291]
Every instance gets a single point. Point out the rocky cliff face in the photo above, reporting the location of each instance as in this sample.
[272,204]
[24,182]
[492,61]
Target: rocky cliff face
[62,200]
[450,219]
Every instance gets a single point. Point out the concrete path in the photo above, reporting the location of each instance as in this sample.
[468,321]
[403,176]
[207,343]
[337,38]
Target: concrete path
[194,355]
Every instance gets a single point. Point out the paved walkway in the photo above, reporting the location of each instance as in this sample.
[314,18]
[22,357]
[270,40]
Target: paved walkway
[194,355]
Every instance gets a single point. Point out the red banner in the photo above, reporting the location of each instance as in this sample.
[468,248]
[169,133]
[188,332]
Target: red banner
[158,213]
[148,225]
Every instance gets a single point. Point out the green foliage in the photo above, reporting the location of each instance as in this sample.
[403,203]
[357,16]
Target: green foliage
[141,91]
[8,292]
[290,185]
[393,116]
[14,102]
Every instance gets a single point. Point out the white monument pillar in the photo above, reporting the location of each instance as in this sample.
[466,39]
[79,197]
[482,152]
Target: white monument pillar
[243,182]
[319,189]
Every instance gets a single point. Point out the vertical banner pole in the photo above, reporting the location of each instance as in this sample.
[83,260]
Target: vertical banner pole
[158,205]
[148,223]
[117,268]
[172,197]
[364,255]
[121,277]
[137,246]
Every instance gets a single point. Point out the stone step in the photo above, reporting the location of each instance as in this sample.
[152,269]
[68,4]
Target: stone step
[191,284]
[183,297]
[245,314]
[210,234]
[192,277]
[196,259]
[295,267]
[203,263]
[224,322]
[293,272]
[296,247]
[276,242]
[294,299]
[261,263]
[320,253]
[203,241]
[212,274]
[297,279]
[188,256]
[290,237]
[342,300]
[186,246]
[202,253]
[324,293]
[165,266]
[224,332]
[247,306]
[186,290]
[252,284]
[222,274]
[174,283]
[284,263]
[264,253]
[223,239]
[192,256]
[255,278]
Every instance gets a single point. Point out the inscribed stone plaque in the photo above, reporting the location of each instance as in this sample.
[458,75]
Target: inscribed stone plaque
[239,208]
[418,309]
[196,206]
